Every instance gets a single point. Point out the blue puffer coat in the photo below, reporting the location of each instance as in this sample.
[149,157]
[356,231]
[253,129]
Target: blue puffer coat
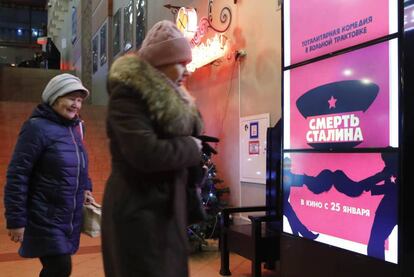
[45,186]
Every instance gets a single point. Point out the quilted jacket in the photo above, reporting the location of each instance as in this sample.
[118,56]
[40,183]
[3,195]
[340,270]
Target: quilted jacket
[45,185]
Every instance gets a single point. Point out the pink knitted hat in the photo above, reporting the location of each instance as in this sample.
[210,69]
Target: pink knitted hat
[165,44]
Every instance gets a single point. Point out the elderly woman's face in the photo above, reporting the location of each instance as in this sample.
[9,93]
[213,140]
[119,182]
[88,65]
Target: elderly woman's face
[69,105]
[177,72]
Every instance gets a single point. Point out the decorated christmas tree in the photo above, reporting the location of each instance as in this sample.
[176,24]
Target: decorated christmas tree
[212,191]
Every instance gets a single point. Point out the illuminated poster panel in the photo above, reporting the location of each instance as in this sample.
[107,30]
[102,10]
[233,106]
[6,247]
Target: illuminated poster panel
[316,27]
[347,101]
[409,17]
[348,200]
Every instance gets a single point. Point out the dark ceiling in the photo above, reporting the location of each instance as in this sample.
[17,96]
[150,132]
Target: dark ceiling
[26,3]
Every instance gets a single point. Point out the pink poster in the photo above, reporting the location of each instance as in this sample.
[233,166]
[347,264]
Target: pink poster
[316,27]
[347,101]
[348,200]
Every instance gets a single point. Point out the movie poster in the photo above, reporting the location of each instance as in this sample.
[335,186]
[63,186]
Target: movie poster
[348,200]
[316,27]
[347,101]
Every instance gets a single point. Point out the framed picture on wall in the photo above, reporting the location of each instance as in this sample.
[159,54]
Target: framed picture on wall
[102,44]
[74,24]
[140,21]
[95,53]
[116,33]
[128,25]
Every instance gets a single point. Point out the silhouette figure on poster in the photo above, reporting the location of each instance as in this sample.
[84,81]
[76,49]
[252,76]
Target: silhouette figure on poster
[382,183]
[318,184]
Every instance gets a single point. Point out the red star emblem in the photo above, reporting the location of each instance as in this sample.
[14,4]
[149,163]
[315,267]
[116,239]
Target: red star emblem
[332,102]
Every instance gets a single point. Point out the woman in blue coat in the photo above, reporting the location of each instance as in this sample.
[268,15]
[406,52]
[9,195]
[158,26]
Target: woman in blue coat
[47,179]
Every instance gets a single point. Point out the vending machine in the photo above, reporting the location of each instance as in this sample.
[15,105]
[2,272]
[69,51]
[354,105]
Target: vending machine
[347,136]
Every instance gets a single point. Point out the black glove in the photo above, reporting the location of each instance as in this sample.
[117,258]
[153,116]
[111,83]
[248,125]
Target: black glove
[207,148]
[207,138]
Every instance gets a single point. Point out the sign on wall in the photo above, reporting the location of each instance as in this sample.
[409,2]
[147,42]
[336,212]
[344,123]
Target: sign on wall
[348,200]
[334,25]
[342,102]
[253,148]
[341,124]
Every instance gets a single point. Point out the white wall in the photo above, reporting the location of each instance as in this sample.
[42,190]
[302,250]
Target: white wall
[237,89]
[260,79]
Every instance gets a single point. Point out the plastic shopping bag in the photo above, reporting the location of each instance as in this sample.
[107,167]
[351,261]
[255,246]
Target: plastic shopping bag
[92,213]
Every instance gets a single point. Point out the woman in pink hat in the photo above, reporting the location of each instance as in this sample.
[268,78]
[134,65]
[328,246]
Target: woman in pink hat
[151,125]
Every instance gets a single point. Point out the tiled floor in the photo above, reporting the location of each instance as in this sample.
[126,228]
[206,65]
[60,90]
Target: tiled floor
[88,262]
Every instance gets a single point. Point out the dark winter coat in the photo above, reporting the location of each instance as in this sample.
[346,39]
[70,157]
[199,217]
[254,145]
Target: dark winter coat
[45,186]
[144,209]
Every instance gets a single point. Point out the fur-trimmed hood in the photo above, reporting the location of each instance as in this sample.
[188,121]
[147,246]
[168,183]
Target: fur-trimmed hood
[171,108]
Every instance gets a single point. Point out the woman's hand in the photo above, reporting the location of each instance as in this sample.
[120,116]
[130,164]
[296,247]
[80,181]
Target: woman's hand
[88,197]
[16,235]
